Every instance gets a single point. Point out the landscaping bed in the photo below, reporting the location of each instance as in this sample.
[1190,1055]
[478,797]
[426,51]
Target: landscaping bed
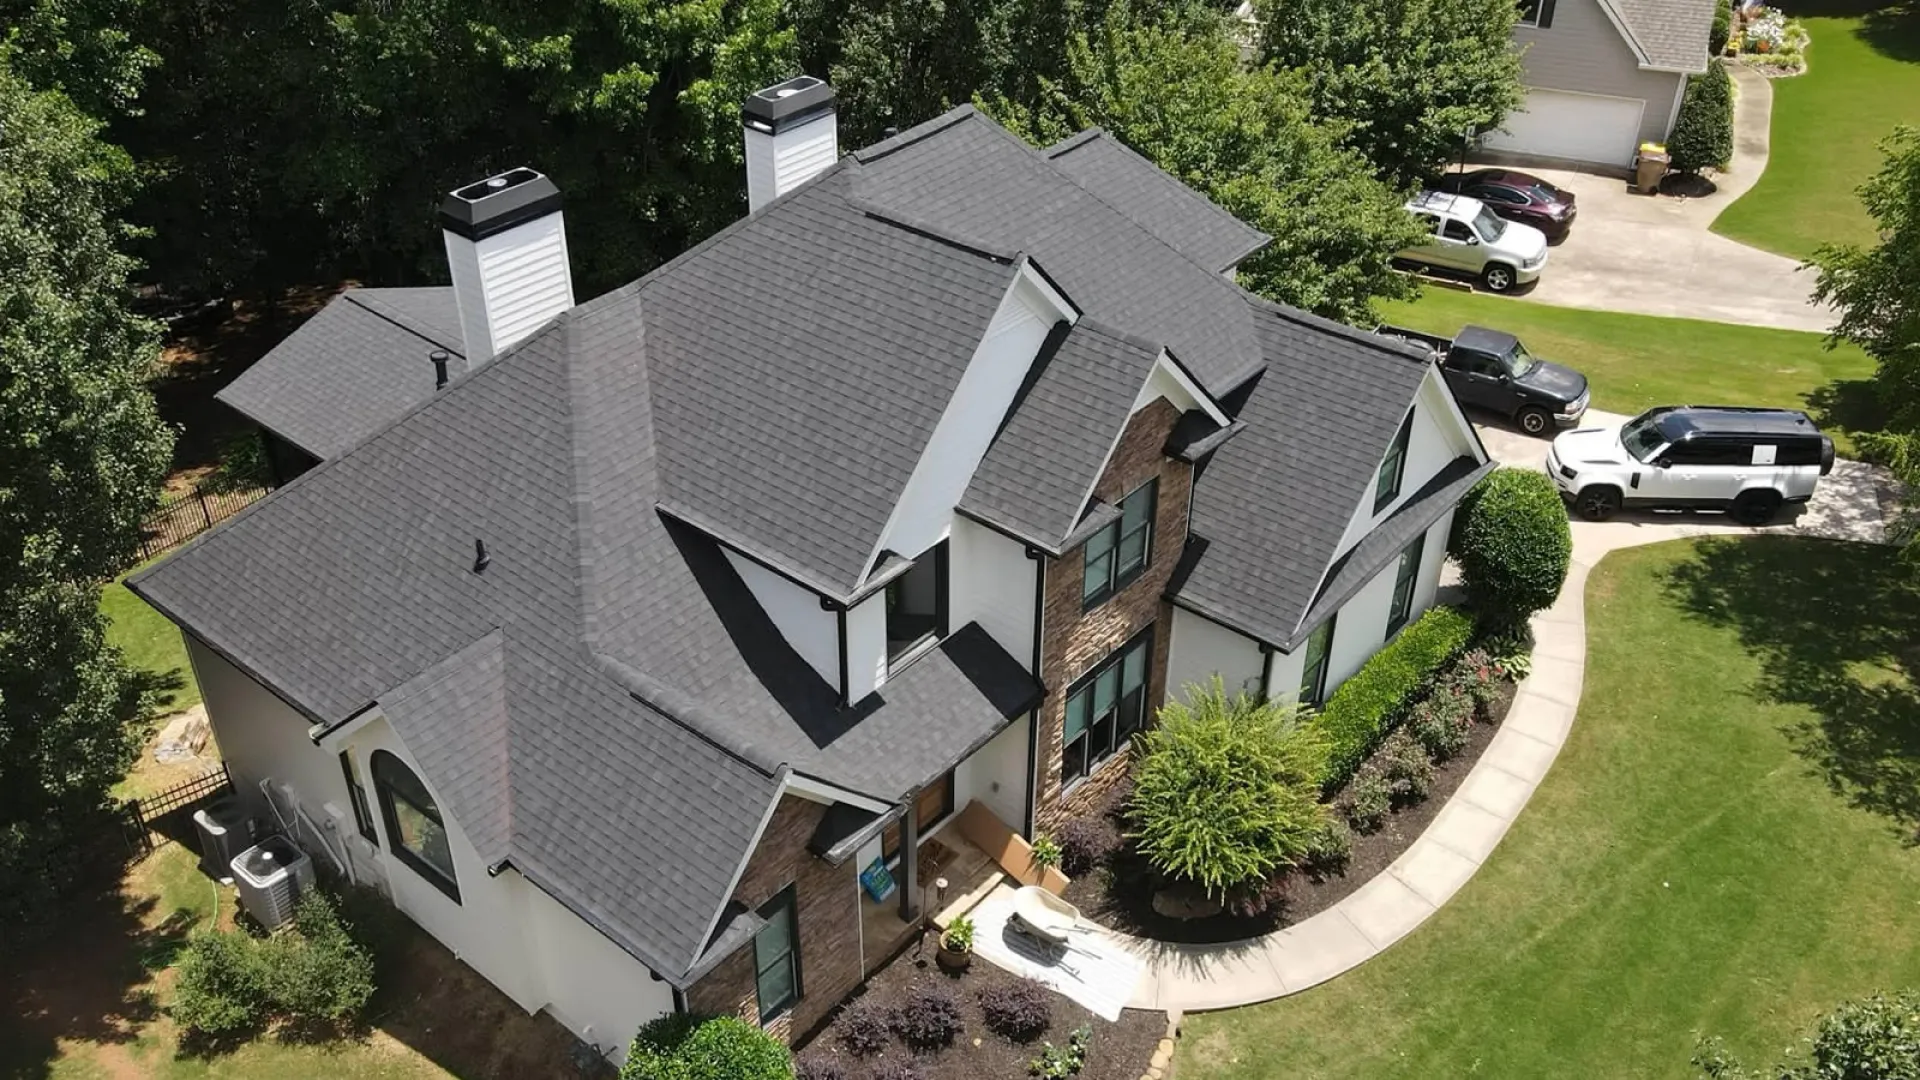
[1119,892]
[1114,1051]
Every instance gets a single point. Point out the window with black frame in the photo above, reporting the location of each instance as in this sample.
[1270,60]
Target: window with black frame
[1404,577]
[1386,486]
[1530,12]
[1313,675]
[1105,708]
[416,834]
[1118,553]
[776,957]
[357,794]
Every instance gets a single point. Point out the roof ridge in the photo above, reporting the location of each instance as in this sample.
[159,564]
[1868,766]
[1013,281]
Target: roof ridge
[1116,333]
[379,309]
[1309,320]
[922,227]
[917,133]
[1074,142]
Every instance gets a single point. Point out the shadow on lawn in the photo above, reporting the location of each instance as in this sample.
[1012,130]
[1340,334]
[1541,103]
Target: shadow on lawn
[1847,405]
[1894,32]
[1836,627]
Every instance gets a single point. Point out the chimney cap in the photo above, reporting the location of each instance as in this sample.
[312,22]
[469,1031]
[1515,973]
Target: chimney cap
[498,203]
[789,104]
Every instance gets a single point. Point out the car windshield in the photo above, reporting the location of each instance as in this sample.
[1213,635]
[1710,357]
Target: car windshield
[1488,224]
[1518,361]
[1545,192]
[1641,435]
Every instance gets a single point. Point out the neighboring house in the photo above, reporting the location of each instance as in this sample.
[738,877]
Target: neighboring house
[619,657]
[1602,76]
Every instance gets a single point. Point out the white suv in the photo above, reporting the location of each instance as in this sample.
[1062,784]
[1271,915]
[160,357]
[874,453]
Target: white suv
[1463,235]
[1745,461]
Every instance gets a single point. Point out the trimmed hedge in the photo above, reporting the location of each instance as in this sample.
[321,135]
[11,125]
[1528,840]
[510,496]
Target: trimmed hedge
[1367,706]
[1703,132]
[681,1047]
[1513,544]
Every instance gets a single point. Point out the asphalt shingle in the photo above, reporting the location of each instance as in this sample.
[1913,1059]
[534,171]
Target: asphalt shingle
[1671,34]
[1158,202]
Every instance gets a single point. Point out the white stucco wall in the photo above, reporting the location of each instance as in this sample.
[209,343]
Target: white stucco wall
[996,774]
[813,631]
[867,645]
[1202,648]
[598,990]
[992,583]
[1362,626]
[1438,436]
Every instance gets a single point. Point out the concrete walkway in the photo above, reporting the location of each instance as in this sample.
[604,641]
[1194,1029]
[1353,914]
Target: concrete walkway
[1470,826]
[1656,255]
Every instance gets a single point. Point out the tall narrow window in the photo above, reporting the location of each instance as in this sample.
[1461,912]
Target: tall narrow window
[1117,554]
[416,834]
[1104,708]
[776,957]
[1313,677]
[1404,577]
[357,795]
[1386,487]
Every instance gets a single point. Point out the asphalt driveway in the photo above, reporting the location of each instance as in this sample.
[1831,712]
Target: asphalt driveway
[1654,255]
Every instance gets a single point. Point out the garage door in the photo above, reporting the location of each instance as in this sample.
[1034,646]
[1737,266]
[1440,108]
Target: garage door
[1578,127]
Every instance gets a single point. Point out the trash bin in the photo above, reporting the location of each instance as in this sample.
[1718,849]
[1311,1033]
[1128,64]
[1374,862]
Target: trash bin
[1650,167]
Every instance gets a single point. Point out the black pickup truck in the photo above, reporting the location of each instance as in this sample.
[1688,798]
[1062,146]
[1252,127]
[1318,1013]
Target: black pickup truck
[1492,371]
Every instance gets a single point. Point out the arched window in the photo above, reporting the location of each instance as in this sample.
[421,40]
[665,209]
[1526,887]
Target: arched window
[415,832]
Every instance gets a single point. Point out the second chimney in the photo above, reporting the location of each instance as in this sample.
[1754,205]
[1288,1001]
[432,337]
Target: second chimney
[792,136]
[507,251]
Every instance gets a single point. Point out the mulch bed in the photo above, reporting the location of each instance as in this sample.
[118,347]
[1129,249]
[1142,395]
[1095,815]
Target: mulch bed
[1117,1051]
[1119,894]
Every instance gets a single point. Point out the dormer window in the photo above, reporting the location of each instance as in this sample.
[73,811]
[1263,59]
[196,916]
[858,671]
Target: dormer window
[1386,487]
[917,608]
[1118,553]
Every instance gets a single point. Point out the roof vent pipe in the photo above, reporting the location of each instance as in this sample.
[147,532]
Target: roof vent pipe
[792,136]
[481,560]
[439,358]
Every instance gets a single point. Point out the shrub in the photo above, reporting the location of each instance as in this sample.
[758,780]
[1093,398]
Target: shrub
[1225,789]
[1440,722]
[958,936]
[321,974]
[223,985]
[1368,799]
[1369,704]
[819,1067]
[1259,899]
[1722,29]
[1019,1010]
[1056,1062]
[1046,852]
[1513,545]
[1703,132]
[722,1048]
[1409,772]
[1085,842]
[1330,849]
[1875,1038]
[929,1018]
[1476,674]
[864,1027]
[897,1069]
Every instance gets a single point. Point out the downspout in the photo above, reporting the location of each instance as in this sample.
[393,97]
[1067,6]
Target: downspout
[1266,671]
[1039,560]
[840,614]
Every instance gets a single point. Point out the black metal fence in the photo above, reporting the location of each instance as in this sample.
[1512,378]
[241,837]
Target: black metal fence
[180,518]
[141,816]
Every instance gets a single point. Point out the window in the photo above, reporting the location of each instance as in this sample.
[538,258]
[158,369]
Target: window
[1118,553]
[1313,676]
[1431,222]
[1386,486]
[1536,13]
[1499,195]
[776,957]
[1403,578]
[1710,452]
[1105,708]
[1457,230]
[415,832]
[917,608]
[357,795]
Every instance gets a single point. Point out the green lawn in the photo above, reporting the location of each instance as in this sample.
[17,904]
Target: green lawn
[1637,361]
[1863,79]
[152,644]
[1723,845]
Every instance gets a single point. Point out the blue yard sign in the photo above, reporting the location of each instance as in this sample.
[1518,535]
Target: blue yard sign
[877,880]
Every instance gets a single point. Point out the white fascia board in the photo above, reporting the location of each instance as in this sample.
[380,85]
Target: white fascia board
[739,871]
[1626,35]
[328,738]
[1469,436]
[1196,397]
[1034,276]
[813,790]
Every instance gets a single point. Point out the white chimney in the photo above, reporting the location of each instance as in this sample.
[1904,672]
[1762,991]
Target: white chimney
[792,137]
[507,249]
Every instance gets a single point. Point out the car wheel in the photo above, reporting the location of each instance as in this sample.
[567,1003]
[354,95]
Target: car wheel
[1534,420]
[1756,507]
[1497,277]
[1598,503]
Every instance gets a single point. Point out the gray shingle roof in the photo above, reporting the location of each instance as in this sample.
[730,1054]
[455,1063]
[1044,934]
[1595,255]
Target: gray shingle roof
[349,370]
[1670,34]
[1045,459]
[1158,202]
[1272,504]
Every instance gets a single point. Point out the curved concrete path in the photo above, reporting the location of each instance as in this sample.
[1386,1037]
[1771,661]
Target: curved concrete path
[1464,834]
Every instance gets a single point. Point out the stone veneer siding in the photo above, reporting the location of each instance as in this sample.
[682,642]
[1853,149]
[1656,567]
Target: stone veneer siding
[1074,641]
[827,908]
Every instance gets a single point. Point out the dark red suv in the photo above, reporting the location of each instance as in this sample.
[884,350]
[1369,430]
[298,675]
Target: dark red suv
[1517,196]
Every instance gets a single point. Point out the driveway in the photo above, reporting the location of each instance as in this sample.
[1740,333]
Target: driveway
[1654,255]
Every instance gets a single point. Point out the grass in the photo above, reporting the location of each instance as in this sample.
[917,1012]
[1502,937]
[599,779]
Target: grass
[1634,362]
[1725,845]
[152,643]
[1863,78]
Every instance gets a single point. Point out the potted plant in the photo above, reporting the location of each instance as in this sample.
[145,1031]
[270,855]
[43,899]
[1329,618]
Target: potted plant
[1046,853]
[956,945]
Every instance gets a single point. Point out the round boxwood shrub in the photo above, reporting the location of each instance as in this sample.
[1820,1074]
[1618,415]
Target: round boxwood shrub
[864,1027]
[1020,1010]
[677,1047]
[1703,132]
[1226,789]
[1513,545]
[929,1018]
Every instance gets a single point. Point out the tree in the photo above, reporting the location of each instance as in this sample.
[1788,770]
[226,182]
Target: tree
[81,47]
[1703,132]
[1412,79]
[82,452]
[1174,90]
[1513,545]
[1874,1038]
[1877,291]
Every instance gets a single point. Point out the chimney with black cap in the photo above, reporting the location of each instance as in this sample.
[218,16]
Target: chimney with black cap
[792,136]
[507,250]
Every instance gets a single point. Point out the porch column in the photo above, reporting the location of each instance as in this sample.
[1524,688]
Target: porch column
[910,860]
